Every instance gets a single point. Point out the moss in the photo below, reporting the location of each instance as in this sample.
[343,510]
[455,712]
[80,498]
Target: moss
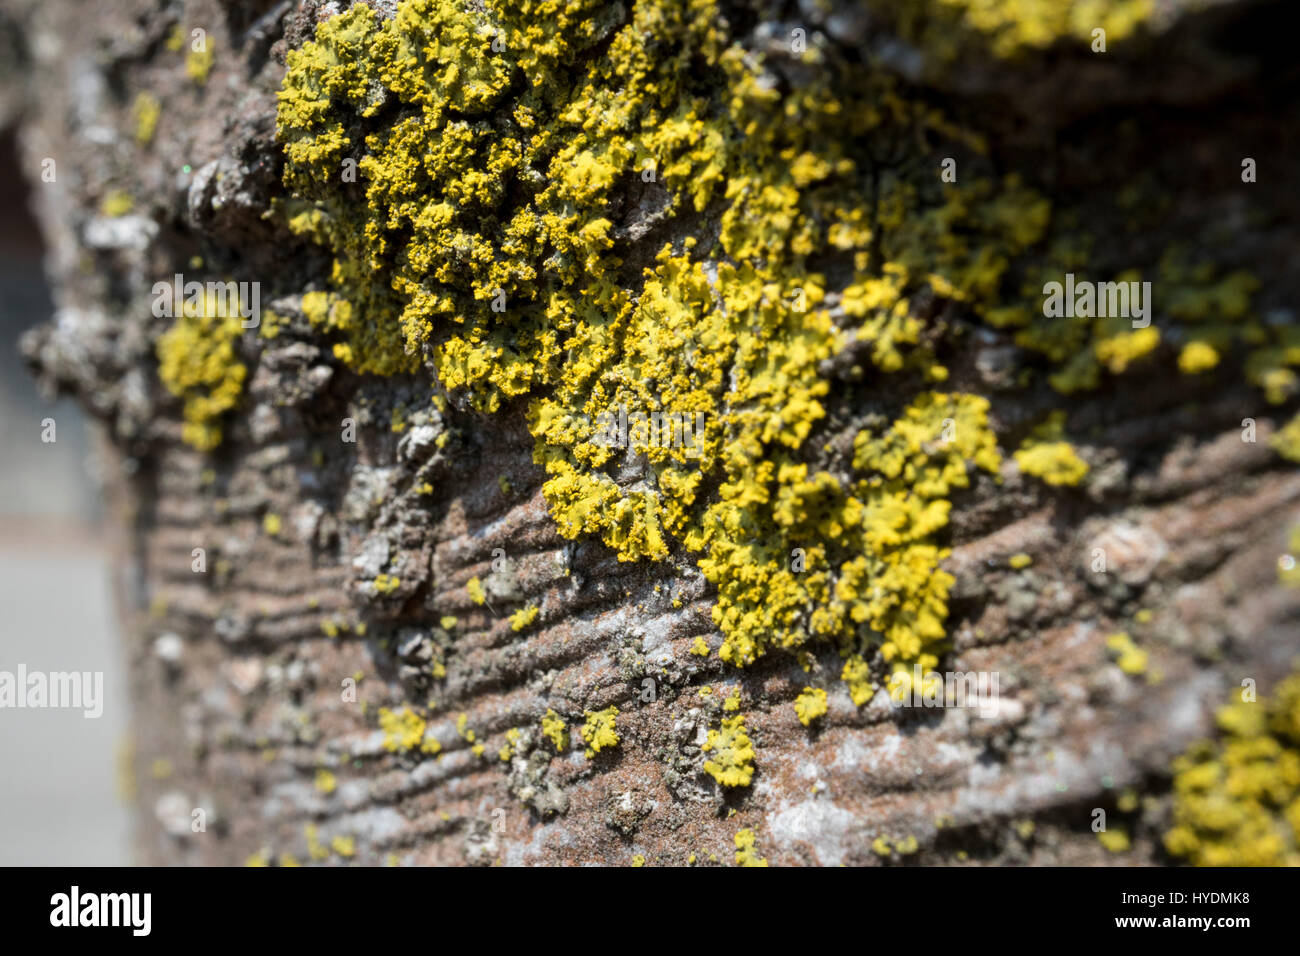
[598,730]
[810,704]
[1237,797]
[732,753]
[746,849]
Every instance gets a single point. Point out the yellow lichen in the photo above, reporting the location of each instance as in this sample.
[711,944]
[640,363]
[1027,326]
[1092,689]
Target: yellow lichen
[556,731]
[1237,798]
[746,849]
[598,730]
[523,617]
[732,760]
[405,731]
[810,704]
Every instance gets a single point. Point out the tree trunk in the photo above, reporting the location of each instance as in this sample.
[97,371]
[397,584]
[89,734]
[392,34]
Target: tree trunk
[281,591]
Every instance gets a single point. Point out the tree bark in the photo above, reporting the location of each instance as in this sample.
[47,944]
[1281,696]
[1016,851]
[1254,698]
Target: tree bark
[239,671]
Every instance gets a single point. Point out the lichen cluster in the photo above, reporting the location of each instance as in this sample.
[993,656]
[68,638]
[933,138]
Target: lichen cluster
[1237,798]
[497,150]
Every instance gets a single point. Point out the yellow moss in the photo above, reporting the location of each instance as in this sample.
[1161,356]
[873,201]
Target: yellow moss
[598,730]
[1237,798]
[732,761]
[810,704]
[746,849]
[556,731]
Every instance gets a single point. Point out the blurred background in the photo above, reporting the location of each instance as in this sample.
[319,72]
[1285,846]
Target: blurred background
[59,796]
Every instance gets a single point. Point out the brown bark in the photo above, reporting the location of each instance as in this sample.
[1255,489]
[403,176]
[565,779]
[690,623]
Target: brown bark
[240,705]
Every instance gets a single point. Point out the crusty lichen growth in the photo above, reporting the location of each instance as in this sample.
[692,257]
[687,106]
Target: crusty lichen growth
[1237,798]
[405,731]
[810,704]
[731,762]
[598,730]
[556,731]
[198,362]
[747,849]
[477,241]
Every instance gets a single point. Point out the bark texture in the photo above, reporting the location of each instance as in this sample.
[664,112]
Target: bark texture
[239,672]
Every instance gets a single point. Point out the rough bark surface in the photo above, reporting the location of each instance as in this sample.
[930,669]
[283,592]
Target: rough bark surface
[238,688]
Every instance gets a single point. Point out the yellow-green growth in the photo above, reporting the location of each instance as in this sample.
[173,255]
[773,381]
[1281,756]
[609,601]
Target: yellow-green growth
[556,731]
[523,617]
[1237,797]
[1130,658]
[1045,456]
[405,731]
[732,760]
[198,63]
[146,111]
[598,730]
[198,363]
[746,849]
[117,203]
[475,589]
[810,704]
